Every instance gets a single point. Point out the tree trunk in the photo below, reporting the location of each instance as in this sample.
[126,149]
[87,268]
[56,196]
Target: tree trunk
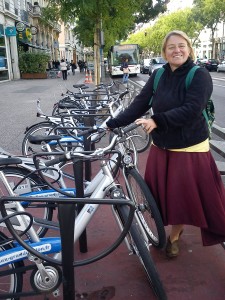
[97,52]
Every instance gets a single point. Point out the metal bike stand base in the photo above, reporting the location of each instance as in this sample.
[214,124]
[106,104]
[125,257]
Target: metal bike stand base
[66,221]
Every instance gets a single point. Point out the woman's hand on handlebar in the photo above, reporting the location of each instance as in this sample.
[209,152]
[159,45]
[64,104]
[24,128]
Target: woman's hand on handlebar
[147,124]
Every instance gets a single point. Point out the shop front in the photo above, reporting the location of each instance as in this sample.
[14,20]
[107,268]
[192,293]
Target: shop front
[4,72]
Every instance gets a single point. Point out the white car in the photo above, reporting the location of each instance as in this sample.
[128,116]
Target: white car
[221,67]
[156,63]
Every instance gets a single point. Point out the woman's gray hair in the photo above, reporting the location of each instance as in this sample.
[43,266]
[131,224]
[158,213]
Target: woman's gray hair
[181,34]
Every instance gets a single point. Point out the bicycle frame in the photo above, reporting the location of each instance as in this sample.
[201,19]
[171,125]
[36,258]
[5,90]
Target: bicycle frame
[52,245]
[105,185]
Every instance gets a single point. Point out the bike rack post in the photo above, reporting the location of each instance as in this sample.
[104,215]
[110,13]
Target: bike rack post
[78,175]
[88,122]
[66,221]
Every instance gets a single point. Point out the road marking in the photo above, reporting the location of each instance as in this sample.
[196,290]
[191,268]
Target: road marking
[214,84]
[141,82]
[216,78]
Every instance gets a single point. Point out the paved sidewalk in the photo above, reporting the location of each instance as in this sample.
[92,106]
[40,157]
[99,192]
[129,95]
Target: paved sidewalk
[18,105]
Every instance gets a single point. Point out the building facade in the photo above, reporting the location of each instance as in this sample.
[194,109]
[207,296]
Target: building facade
[69,47]
[22,29]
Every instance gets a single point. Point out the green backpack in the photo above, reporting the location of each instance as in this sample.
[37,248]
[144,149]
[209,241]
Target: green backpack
[208,112]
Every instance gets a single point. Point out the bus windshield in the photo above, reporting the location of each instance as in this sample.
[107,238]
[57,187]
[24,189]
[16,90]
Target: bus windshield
[121,52]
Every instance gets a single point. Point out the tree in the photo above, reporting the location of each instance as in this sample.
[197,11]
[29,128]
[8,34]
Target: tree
[209,13]
[115,17]
[180,20]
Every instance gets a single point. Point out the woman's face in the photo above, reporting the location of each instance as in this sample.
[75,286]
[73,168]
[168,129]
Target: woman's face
[176,51]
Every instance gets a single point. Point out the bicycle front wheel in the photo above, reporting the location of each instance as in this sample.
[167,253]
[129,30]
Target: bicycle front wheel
[11,281]
[146,208]
[141,249]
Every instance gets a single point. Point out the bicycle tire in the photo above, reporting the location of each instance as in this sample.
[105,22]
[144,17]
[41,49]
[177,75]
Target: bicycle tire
[43,128]
[56,110]
[44,211]
[142,140]
[60,111]
[140,248]
[147,209]
[10,283]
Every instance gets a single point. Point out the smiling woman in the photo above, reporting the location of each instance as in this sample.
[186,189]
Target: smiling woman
[176,50]
[180,170]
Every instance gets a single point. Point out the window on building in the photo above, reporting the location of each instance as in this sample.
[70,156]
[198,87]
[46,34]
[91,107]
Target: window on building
[3,58]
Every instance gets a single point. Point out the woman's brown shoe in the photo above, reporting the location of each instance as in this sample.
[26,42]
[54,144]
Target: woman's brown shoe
[172,249]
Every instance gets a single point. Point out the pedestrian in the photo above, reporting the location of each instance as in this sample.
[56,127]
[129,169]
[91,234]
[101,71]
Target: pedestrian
[63,68]
[125,68]
[73,66]
[180,170]
[81,65]
[85,66]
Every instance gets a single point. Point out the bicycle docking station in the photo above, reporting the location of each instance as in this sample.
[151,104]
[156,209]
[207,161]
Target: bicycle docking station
[66,216]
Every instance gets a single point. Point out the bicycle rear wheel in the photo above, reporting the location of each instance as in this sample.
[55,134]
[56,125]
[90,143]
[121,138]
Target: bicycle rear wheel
[34,184]
[12,281]
[146,207]
[140,248]
[43,128]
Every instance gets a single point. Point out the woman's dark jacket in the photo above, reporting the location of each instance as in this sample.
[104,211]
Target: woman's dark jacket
[177,112]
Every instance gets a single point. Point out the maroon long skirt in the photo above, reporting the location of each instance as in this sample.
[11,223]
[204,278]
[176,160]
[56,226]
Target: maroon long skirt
[188,190]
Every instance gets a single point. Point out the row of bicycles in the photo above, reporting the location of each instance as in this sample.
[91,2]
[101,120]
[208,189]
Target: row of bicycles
[72,167]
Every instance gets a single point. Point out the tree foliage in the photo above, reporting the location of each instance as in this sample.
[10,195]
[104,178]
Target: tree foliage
[117,17]
[151,38]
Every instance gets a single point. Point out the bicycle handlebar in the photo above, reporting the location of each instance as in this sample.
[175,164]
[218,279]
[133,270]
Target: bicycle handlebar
[98,152]
[130,127]
[55,161]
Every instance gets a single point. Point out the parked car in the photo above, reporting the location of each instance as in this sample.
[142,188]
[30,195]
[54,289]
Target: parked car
[221,67]
[199,61]
[156,63]
[144,66]
[210,64]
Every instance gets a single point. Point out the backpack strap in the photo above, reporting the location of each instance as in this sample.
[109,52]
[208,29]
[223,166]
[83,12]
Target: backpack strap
[188,80]
[190,76]
[156,81]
